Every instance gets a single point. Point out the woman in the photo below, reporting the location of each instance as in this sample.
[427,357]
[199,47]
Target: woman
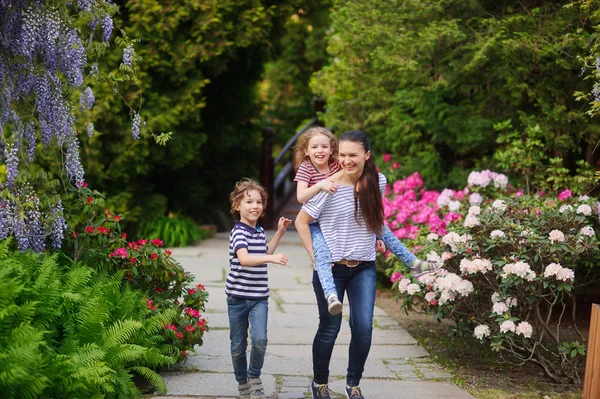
[349,219]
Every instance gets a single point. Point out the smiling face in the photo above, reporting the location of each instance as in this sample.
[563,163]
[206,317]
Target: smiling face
[352,157]
[250,207]
[319,150]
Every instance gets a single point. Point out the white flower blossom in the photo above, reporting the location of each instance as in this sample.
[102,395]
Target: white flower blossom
[500,181]
[495,297]
[584,209]
[500,308]
[565,208]
[507,325]
[525,329]
[526,233]
[444,197]
[474,210]
[430,296]
[511,302]
[475,199]
[556,236]
[454,206]
[565,274]
[496,234]
[434,257]
[471,221]
[413,289]
[552,269]
[432,237]
[499,206]
[481,331]
[403,285]
[587,231]
[583,198]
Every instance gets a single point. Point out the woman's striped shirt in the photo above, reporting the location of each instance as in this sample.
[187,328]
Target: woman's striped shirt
[250,282]
[345,238]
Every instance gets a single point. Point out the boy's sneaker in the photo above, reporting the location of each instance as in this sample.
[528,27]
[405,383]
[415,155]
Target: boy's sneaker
[244,390]
[319,391]
[334,305]
[421,267]
[256,388]
[353,392]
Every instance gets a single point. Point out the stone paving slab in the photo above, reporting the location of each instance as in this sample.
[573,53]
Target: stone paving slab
[393,389]
[210,384]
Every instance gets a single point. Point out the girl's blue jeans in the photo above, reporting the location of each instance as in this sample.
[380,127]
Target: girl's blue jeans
[244,313]
[359,283]
[323,256]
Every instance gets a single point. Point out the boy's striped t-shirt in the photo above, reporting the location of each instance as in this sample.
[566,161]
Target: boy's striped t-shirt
[308,173]
[345,238]
[250,282]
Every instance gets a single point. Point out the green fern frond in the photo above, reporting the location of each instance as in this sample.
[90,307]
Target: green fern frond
[121,332]
[153,377]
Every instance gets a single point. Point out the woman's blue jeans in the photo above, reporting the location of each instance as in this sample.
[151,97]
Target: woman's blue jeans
[359,284]
[244,313]
[323,256]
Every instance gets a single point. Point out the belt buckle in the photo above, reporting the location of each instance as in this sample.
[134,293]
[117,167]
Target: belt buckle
[349,264]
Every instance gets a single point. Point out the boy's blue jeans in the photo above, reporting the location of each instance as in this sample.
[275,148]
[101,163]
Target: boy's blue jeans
[359,283]
[323,256]
[244,313]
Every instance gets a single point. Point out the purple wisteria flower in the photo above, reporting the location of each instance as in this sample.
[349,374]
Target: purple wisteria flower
[12,165]
[72,163]
[596,92]
[5,216]
[87,99]
[107,27]
[36,232]
[135,125]
[58,226]
[90,129]
[30,139]
[128,55]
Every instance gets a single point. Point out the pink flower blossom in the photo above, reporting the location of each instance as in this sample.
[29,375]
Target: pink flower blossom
[396,276]
[565,194]
[387,157]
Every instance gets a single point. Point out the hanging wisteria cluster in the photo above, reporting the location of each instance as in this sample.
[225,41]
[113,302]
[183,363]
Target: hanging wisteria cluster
[42,62]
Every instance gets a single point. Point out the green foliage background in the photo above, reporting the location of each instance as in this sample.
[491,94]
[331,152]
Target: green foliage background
[429,79]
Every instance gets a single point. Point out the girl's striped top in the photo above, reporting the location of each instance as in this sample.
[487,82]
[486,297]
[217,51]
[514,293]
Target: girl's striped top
[250,282]
[308,173]
[345,238]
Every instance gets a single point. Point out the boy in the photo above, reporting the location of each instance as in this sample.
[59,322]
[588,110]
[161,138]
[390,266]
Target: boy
[247,285]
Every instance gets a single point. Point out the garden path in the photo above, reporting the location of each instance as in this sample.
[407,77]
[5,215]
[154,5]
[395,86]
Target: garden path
[397,367]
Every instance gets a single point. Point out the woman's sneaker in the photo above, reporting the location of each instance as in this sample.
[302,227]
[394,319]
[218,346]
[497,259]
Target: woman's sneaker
[319,391]
[334,305]
[353,392]
[421,267]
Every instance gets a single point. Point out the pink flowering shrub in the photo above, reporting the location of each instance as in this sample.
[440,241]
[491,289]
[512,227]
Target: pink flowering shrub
[148,267]
[510,268]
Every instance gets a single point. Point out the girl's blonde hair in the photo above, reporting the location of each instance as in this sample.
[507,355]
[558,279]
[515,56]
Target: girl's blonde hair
[242,187]
[302,145]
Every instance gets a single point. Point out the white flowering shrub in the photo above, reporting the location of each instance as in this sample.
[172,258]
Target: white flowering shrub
[511,268]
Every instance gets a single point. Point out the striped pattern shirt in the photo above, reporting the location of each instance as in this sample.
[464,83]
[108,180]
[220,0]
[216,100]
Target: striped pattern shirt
[308,173]
[250,282]
[345,238]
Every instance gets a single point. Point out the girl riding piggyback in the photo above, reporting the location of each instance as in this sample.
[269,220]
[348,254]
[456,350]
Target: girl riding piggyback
[315,159]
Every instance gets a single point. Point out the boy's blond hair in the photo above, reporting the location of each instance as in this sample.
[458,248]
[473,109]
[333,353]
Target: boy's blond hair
[302,145]
[242,187]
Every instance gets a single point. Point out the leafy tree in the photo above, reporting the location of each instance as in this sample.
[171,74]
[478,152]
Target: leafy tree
[429,79]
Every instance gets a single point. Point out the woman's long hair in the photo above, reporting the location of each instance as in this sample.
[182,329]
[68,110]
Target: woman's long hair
[303,141]
[367,193]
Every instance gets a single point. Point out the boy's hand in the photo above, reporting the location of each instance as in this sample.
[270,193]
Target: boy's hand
[279,259]
[380,247]
[329,186]
[283,224]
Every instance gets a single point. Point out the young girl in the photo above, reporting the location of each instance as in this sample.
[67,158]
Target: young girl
[315,159]
[247,285]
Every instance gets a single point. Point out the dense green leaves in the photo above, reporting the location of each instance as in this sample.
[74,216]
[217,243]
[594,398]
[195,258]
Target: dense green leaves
[429,79]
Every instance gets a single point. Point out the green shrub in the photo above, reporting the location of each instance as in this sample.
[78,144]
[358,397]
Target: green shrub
[174,230]
[74,332]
